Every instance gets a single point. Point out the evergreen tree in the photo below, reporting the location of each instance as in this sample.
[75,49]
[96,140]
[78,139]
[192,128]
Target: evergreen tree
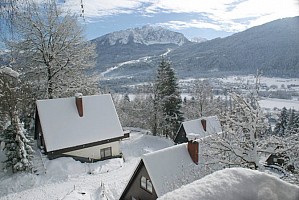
[15,141]
[294,129]
[16,144]
[290,122]
[281,125]
[167,102]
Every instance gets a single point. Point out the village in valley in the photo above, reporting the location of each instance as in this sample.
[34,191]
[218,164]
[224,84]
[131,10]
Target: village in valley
[67,134]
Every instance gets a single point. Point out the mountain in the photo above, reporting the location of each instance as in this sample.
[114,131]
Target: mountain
[198,39]
[131,44]
[272,47]
[134,54]
[146,35]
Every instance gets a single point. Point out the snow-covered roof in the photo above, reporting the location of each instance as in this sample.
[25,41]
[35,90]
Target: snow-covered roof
[63,127]
[194,128]
[235,184]
[170,168]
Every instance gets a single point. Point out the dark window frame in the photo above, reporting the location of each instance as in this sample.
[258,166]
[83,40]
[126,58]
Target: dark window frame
[104,150]
[147,182]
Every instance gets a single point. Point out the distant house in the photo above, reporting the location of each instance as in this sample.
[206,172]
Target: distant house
[279,160]
[84,127]
[198,128]
[163,171]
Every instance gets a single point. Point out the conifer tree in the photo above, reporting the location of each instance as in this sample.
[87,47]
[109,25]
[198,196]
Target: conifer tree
[294,128]
[16,144]
[290,122]
[281,125]
[15,141]
[167,102]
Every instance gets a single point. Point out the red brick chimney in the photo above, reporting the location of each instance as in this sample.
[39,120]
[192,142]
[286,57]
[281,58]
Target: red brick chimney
[79,103]
[193,150]
[204,124]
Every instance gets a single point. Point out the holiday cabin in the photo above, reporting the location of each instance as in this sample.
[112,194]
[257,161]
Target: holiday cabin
[163,171]
[197,129]
[86,128]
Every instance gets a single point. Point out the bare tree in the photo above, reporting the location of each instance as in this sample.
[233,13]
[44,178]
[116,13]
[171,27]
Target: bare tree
[241,143]
[53,48]
[202,92]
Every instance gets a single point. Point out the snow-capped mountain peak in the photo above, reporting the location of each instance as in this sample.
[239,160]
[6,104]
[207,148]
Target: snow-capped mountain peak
[198,39]
[145,35]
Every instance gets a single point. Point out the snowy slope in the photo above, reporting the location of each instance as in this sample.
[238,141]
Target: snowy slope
[236,184]
[69,179]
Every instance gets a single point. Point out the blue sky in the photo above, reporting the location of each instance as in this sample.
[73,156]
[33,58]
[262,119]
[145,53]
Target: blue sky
[193,18]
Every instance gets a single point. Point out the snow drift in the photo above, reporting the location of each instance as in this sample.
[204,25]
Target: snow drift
[236,184]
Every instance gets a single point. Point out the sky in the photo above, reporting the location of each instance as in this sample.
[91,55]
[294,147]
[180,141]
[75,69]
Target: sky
[194,18]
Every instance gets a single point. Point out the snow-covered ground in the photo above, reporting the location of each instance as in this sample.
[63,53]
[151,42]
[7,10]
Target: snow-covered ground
[66,179]
[143,59]
[236,184]
[250,79]
[69,179]
[272,103]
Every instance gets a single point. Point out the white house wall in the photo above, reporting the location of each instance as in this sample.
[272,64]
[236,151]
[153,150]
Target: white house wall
[94,152]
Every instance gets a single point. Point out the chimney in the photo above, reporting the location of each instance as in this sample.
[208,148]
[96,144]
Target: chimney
[204,124]
[193,150]
[79,103]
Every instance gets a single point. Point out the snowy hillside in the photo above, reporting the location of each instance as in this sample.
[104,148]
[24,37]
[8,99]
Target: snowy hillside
[146,35]
[236,184]
[69,179]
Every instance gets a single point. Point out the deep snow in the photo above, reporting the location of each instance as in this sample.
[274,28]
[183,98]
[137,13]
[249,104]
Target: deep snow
[236,184]
[66,178]
[72,180]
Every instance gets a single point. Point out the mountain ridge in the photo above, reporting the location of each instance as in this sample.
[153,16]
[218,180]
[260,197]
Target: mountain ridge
[272,47]
[147,35]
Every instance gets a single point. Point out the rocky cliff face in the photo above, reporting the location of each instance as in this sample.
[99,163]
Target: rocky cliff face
[146,35]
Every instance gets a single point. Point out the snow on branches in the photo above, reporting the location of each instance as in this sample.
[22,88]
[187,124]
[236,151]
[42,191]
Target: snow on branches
[14,139]
[241,140]
[9,71]
[17,147]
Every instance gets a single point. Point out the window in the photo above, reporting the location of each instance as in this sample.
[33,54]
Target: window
[146,184]
[143,182]
[149,186]
[107,152]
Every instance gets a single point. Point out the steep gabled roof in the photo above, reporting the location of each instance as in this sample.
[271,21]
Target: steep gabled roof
[170,168]
[63,127]
[195,130]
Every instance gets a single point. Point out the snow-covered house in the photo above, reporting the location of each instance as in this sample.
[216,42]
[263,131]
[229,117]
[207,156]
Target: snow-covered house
[198,128]
[84,127]
[163,171]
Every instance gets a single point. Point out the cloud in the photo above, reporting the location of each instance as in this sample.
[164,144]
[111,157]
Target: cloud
[201,24]
[178,25]
[102,8]
[226,15]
